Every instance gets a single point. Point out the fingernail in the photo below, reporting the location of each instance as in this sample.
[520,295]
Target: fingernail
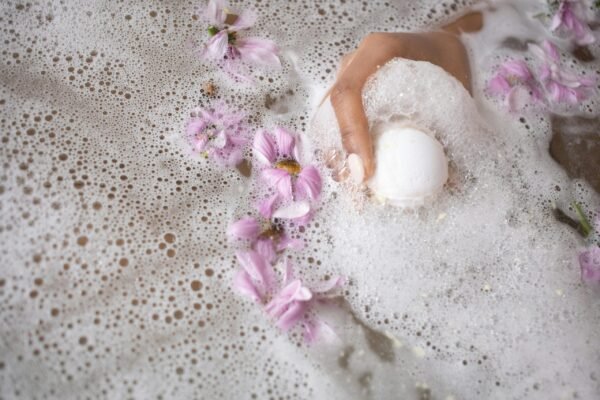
[356,167]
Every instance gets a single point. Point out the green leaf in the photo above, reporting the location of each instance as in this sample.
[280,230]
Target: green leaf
[212,31]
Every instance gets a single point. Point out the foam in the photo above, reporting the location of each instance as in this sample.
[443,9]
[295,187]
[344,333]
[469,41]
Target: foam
[116,274]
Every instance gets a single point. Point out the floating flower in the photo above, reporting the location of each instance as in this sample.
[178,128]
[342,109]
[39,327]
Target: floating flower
[294,300]
[218,133]
[589,261]
[561,86]
[514,81]
[283,171]
[569,16]
[228,49]
[267,238]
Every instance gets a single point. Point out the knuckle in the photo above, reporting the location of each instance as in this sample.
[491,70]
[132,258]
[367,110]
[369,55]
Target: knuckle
[339,91]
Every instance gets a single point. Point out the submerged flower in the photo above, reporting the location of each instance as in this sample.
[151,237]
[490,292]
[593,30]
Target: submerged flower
[561,85]
[589,261]
[569,16]
[227,48]
[218,133]
[294,300]
[283,171]
[514,80]
[267,238]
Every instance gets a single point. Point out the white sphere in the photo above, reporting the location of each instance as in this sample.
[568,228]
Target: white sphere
[410,165]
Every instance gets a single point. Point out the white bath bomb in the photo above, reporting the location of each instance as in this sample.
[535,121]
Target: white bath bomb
[410,165]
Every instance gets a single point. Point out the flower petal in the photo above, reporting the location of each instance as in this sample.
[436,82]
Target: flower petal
[265,207]
[214,14]
[285,142]
[216,47]
[286,242]
[308,184]
[242,282]
[246,228]
[280,180]
[266,249]
[264,147]
[255,265]
[292,315]
[330,284]
[259,51]
[589,261]
[297,209]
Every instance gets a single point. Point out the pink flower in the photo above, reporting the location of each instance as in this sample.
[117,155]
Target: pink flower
[514,81]
[283,171]
[294,300]
[560,85]
[218,133]
[231,51]
[570,17]
[266,238]
[589,261]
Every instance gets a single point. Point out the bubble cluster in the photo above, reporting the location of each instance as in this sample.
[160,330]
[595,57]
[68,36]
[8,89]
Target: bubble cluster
[116,272]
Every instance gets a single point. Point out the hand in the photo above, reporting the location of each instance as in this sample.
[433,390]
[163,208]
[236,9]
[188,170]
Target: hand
[442,48]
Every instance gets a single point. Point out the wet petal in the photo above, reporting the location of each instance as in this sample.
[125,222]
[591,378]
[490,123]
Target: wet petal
[297,209]
[286,242]
[246,228]
[264,147]
[285,142]
[308,184]
[255,265]
[214,13]
[280,180]
[259,51]
[292,315]
[220,140]
[216,47]
[589,261]
[265,207]
[266,249]
[242,282]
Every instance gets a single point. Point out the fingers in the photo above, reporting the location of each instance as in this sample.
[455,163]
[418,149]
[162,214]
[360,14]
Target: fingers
[354,128]
[346,96]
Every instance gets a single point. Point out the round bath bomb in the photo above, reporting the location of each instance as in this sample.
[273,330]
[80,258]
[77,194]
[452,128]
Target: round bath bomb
[411,165]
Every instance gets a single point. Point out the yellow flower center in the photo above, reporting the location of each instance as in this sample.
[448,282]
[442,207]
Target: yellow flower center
[290,166]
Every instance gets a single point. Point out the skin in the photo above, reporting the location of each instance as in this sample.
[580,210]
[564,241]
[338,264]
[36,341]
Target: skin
[442,48]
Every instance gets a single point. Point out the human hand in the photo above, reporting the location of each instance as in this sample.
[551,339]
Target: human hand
[442,48]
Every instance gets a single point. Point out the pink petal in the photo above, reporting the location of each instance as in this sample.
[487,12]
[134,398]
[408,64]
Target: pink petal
[214,12]
[285,142]
[297,209]
[518,69]
[216,47]
[589,261]
[265,207]
[499,85]
[246,228]
[330,284]
[242,282]
[259,51]
[245,20]
[195,126]
[292,315]
[280,180]
[220,140]
[264,147]
[286,242]
[266,249]
[551,51]
[255,265]
[308,183]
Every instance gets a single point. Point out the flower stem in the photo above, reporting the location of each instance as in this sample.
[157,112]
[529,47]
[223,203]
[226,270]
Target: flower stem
[212,31]
[586,227]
